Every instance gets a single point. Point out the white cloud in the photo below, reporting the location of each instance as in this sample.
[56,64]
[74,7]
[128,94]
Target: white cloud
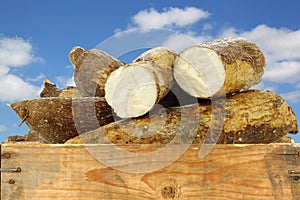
[36,79]
[3,70]
[283,72]
[207,27]
[178,42]
[2,128]
[151,28]
[64,81]
[293,97]
[282,50]
[281,47]
[15,52]
[169,17]
[228,32]
[276,43]
[13,88]
[279,44]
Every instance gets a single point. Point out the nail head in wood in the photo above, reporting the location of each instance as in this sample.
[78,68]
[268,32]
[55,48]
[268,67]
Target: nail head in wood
[6,155]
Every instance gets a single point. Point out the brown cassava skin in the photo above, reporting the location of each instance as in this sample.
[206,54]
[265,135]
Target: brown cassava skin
[71,92]
[56,119]
[30,137]
[243,62]
[250,117]
[50,90]
[284,139]
[92,68]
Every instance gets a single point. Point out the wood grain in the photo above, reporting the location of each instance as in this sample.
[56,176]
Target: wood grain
[227,172]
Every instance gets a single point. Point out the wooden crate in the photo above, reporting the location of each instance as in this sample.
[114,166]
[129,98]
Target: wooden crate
[227,172]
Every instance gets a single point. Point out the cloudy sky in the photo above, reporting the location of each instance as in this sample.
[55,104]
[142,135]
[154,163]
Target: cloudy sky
[36,37]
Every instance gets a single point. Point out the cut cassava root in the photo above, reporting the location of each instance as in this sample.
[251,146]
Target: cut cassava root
[250,117]
[91,69]
[221,66]
[133,89]
[56,119]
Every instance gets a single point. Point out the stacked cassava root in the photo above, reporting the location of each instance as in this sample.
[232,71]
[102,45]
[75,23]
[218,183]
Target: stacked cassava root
[202,92]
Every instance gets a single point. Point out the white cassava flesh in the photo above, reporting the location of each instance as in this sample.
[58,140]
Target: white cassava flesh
[199,72]
[227,65]
[133,83]
[133,89]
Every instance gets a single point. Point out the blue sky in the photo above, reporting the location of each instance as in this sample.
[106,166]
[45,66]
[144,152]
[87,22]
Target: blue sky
[36,37]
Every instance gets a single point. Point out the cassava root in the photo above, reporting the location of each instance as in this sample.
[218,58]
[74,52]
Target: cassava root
[250,117]
[222,66]
[91,69]
[133,89]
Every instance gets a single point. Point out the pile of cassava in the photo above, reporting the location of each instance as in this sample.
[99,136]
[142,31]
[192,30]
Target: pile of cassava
[200,94]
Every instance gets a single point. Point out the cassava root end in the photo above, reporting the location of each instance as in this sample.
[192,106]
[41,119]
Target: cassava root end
[92,68]
[232,64]
[133,89]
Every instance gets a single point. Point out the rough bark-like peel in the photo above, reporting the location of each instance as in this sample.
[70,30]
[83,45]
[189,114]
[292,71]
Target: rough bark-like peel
[250,117]
[92,68]
[50,90]
[52,119]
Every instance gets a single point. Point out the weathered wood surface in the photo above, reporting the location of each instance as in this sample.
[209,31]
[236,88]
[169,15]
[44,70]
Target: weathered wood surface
[228,172]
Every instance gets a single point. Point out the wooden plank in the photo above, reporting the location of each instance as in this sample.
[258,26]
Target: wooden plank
[227,172]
